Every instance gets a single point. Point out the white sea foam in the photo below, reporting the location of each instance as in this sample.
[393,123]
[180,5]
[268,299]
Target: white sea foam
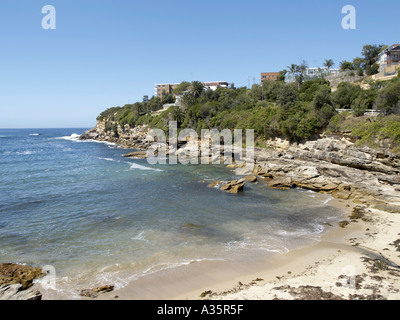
[26,152]
[134,166]
[34,134]
[140,237]
[109,159]
[73,137]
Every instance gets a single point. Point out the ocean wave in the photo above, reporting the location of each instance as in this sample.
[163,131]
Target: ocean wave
[34,134]
[26,152]
[73,137]
[108,159]
[134,166]
[140,237]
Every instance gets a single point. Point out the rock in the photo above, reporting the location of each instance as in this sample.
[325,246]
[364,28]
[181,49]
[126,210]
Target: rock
[235,166]
[251,178]
[343,194]
[18,274]
[234,186]
[16,282]
[136,154]
[215,184]
[15,292]
[93,293]
[280,182]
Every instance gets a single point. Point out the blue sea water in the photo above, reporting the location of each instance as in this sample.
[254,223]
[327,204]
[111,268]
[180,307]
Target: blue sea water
[98,217]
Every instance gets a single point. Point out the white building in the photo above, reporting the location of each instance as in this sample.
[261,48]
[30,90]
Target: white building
[214,85]
[388,57]
[312,73]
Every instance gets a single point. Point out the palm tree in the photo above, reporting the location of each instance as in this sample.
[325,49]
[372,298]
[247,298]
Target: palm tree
[329,63]
[293,68]
[197,89]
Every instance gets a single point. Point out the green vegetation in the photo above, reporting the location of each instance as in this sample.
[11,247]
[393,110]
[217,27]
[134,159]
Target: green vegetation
[296,111]
[368,131]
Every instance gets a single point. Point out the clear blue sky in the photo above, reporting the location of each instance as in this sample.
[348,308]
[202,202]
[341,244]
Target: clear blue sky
[107,53]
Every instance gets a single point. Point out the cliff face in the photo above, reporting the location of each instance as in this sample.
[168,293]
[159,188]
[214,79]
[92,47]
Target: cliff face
[126,137]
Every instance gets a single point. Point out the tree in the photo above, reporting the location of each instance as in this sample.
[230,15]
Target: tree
[328,63]
[181,88]
[370,53]
[167,98]
[346,65]
[321,98]
[288,95]
[323,105]
[372,69]
[187,101]
[363,102]
[358,63]
[282,75]
[293,69]
[389,97]
[344,96]
[196,88]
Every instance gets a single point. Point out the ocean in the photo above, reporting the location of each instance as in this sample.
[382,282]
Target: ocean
[98,218]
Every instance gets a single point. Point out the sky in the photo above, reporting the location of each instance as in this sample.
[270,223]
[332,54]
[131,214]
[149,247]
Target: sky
[107,53]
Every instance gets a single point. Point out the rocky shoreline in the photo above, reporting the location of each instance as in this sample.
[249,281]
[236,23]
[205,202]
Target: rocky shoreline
[328,164]
[366,180]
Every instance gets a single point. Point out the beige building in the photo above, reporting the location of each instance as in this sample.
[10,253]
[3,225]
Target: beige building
[165,88]
[270,76]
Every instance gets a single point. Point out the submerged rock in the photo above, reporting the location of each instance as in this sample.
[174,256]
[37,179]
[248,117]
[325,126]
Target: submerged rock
[234,186]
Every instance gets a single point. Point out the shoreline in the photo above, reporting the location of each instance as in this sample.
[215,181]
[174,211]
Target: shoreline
[351,263]
[343,265]
[347,263]
[188,282]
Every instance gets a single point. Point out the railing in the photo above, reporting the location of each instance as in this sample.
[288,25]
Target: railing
[366,113]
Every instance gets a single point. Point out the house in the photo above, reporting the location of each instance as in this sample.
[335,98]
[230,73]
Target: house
[214,85]
[167,88]
[164,88]
[269,76]
[313,73]
[389,57]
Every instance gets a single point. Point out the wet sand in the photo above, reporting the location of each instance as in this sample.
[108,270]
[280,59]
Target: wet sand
[340,265]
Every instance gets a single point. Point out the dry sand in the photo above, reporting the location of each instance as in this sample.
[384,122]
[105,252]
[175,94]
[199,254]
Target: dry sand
[359,261]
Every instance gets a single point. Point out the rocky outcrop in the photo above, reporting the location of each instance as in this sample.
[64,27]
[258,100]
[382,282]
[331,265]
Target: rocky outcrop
[125,137]
[136,155]
[16,282]
[234,186]
[15,292]
[93,293]
[331,164]
[339,151]
[282,169]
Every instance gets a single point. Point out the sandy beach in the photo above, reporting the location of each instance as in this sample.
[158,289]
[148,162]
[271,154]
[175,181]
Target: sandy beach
[358,261]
